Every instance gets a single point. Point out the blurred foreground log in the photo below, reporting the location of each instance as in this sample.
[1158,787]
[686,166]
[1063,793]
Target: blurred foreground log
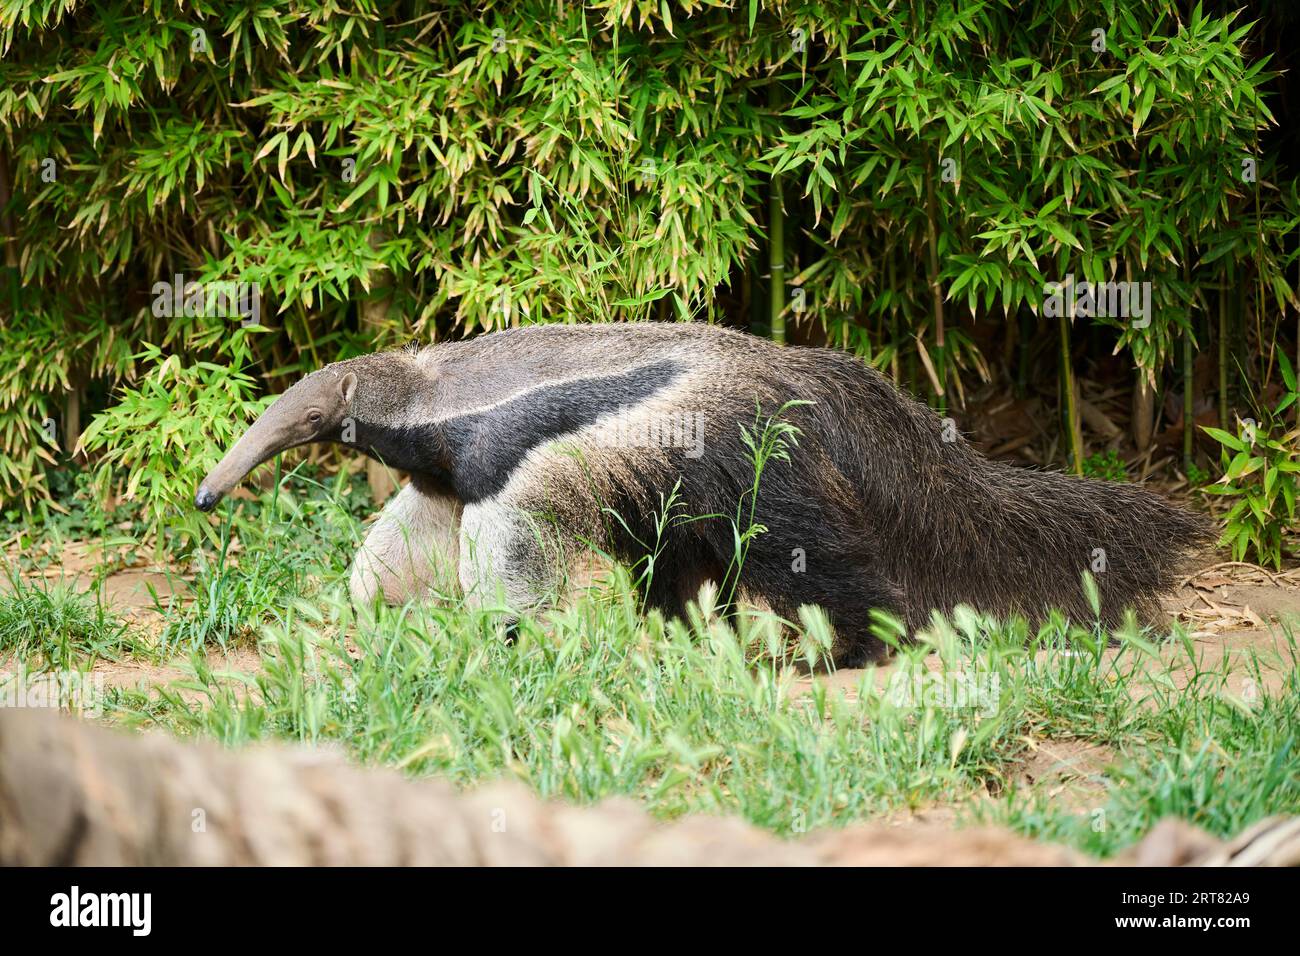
[76,794]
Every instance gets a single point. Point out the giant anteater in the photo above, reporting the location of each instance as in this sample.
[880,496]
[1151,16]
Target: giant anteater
[529,444]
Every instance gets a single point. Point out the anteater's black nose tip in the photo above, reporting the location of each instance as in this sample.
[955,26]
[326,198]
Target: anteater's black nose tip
[205,500]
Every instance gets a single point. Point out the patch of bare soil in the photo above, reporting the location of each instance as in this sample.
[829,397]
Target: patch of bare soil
[1237,614]
[133,591]
[136,589]
[143,676]
[1070,773]
[127,591]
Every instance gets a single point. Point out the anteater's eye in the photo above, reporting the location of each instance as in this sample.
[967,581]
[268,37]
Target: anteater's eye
[314,418]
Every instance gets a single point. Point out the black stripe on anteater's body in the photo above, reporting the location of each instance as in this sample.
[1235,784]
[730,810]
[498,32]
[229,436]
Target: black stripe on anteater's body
[521,436]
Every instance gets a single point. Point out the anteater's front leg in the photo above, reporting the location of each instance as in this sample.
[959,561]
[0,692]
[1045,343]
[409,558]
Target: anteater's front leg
[510,556]
[412,548]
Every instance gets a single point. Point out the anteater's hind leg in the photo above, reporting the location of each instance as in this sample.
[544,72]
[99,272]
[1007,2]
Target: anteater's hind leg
[820,549]
[412,548]
[847,592]
[679,574]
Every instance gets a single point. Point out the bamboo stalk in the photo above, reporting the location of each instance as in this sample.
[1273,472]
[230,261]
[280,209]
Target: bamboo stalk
[776,240]
[1189,383]
[893,318]
[1143,418]
[1143,412]
[1069,395]
[1241,330]
[777,263]
[8,235]
[747,296]
[1189,375]
[72,418]
[8,240]
[936,294]
[1225,337]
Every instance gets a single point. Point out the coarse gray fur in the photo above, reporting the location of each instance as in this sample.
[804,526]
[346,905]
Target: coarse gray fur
[523,445]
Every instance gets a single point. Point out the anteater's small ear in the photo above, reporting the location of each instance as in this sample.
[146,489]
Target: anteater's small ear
[348,387]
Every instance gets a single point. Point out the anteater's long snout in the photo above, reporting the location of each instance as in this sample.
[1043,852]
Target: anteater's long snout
[265,438]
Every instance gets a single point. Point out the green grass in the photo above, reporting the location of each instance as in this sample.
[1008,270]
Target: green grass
[51,624]
[597,701]
[289,538]
[1199,752]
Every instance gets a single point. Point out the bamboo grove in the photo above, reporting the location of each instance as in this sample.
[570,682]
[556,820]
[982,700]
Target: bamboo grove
[907,180]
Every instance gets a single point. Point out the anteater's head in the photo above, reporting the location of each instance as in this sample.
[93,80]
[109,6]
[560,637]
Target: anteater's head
[312,410]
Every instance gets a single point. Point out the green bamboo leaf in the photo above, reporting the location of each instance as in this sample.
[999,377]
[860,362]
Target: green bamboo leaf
[1288,373]
[1145,102]
[1224,438]
[1061,234]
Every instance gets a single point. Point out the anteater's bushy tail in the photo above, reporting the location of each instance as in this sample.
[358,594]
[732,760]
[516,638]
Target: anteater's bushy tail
[1016,540]
[954,527]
